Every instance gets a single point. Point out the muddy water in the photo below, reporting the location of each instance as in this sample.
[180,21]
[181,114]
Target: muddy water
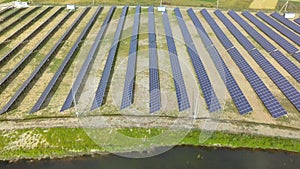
[176,158]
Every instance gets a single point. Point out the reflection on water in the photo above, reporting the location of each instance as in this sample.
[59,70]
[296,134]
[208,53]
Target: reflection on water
[176,158]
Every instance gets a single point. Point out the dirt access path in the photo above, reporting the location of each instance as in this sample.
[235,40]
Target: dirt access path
[236,127]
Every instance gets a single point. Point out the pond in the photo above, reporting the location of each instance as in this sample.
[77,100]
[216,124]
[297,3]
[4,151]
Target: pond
[179,157]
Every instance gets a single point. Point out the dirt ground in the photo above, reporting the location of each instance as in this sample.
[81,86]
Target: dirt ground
[230,119]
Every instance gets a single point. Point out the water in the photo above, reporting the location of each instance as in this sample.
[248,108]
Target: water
[176,158]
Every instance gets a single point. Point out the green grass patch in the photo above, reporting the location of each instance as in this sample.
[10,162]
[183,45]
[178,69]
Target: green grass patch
[61,142]
[140,132]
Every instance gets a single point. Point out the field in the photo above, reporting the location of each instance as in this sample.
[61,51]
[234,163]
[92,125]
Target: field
[51,109]
[265,4]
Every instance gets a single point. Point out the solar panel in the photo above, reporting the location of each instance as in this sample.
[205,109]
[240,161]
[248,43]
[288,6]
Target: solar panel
[127,97]
[21,65]
[205,84]
[288,65]
[297,21]
[3,30]
[99,97]
[286,22]
[3,11]
[281,82]
[235,92]
[283,30]
[11,15]
[181,94]
[226,42]
[24,27]
[268,99]
[49,56]
[82,71]
[17,48]
[287,46]
[154,87]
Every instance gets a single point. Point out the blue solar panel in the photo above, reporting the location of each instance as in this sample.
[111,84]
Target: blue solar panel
[6,18]
[24,27]
[235,92]
[127,97]
[47,58]
[205,84]
[276,54]
[100,93]
[286,22]
[21,65]
[283,30]
[21,18]
[83,71]
[5,10]
[287,46]
[153,64]
[273,106]
[281,82]
[60,70]
[12,52]
[297,21]
[182,97]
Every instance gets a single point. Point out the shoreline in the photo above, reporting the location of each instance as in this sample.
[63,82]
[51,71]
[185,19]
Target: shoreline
[103,154]
[70,147]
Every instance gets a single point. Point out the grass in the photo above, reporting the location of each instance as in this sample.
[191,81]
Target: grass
[230,107]
[62,142]
[293,6]
[235,4]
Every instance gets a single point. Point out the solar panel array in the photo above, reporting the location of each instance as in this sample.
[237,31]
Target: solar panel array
[83,71]
[181,93]
[297,21]
[288,65]
[239,99]
[127,98]
[65,62]
[287,46]
[283,30]
[235,92]
[24,27]
[154,87]
[19,46]
[18,20]
[268,99]
[11,15]
[3,11]
[29,56]
[281,82]
[50,55]
[205,84]
[100,93]
[286,22]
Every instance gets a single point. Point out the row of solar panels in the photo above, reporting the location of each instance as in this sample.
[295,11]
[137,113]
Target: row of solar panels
[3,11]
[24,27]
[21,44]
[213,105]
[32,10]
[286,45]
[6,18]
[282,83]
